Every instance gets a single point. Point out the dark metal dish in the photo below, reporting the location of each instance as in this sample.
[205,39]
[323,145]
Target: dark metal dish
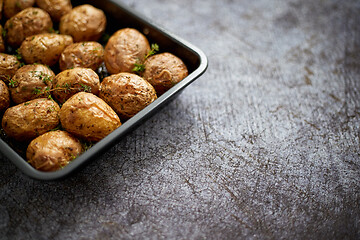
[120,16]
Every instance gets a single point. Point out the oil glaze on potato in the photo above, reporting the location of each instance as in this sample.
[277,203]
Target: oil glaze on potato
[75,80]
[56,8]
[28,22]
[83,23]
[4,97]
[28,120]
[127,93]
[12,7]
[82,54]
[44,48]
[88,117]
[30,82]
[53,150]
[125,48]
[9,64]
[163,71]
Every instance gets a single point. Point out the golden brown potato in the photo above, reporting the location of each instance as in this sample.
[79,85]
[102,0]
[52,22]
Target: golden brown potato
[75,80]
[125,48]
[2,43]
[163,71]
[56,8]
[30,82]
[127,93]
[4,97]
[1,8]
[88,117]
[9,64]
[28,120]
[12,7]
[82,54]
[53,150]
[83,23]
[28,22]
[44,48]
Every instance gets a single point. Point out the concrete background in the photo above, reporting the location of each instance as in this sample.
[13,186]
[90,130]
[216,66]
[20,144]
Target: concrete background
[265,145]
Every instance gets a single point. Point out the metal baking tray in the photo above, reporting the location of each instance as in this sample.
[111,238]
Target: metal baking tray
[120,16]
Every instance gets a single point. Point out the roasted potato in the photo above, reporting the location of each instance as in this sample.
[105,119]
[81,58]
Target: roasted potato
[88,117]
[83,23]
[12,7]
[127,93]
[44,48]
[30,82]
[56,8]
[163,71]
[75,80]
[1,8]
[28,120]
[125,48]
[9,64]
[28,22]
[53,150]
[2,43]
[4,97]
[82,54]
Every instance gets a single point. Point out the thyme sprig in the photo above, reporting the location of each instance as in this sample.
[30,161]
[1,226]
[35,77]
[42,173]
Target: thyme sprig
[139,66]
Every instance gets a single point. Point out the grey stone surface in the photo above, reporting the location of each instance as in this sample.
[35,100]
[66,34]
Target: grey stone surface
[265,145]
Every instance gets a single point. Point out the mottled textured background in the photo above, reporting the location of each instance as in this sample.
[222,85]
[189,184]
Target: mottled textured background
[265,145]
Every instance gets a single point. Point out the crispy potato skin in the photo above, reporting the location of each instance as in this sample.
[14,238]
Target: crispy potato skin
[127,93]
[75,80]
[82,54]
[53,150]
[125,48]
[83,23]
[9,64]
[163,71]
[30,82]
[2,43]
[4,97]
[28,120]
[44,48]
[12,7]
[88,117]
[28,22]
[56,8]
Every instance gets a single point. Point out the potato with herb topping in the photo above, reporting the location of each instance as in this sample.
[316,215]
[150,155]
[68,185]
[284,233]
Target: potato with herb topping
[83,23]
[28,22]
[12,7]
[82,54]
[4,97]
[53,150]
[127,93]
[125,48]
[28,120]
[30,82]
[75,80]
[9,64]
[56,8]
[88,117]
[44,48]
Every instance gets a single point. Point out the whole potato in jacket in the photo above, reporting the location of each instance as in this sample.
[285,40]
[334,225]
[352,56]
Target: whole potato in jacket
[56,8]
[127,93]
[9,64]
[82,54]
[2,42]
[88,117]
[28,22]
[4,97]
[44,48]
[75,80]
[83,23]
[12,7]
[163,71]
[53,150]
[28,120]
[125,48]
[30,82]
